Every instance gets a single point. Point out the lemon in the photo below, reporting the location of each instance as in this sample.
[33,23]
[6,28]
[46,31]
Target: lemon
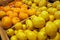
[42,34]
[15,31]
[24,26]
[13,38]
[38,12]
[29,24]
[30,2]
[42,30]
[57,37]
[10,32]
[43,8]
[57,22]
[51,29]
[26,31]
[57,15]
[36,1]
[35,31]
[51,10]
[55,3]
[18,26]
[58,6]
[42,2]
[51,17]
[20,35]
[33,5]
[31,35]
[49,4]
[38,22]
[33,16]
[45,15]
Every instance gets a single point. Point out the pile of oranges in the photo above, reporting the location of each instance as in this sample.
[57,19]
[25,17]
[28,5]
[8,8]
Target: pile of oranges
[15,12]
[31,20]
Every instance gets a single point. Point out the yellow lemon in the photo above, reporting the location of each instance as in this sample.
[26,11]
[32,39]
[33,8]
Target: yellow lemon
[20,35]
[57,15]
[57,22]
[45,15]
[18,26]
[10,32]
[51,10]
[29,24]
[13,38]
[51,17]
[42,34]
[51,29]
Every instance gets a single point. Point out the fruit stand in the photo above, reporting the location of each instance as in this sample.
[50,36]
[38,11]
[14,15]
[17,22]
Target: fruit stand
[30,20]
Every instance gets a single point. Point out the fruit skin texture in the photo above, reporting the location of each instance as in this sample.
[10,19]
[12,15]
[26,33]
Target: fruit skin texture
[29,24]
[57,37]
[51,29]
[13,38]
[51,10]
[57,15]
[20,35]
[23,15]
[49,4]
[42,2]
[15,20]
[58,6]
[2,13]
[18,4]
[42,34]
[43,8]
[6,22]
[11,14]
[55,3]
[6,8]
[45,15]
[18,26]
[57,22]
[51,17]
[10,32]
[38,22]
[31,11]
[31,35]
[17,10]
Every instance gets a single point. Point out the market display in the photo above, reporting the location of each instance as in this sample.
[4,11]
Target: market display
[31,20]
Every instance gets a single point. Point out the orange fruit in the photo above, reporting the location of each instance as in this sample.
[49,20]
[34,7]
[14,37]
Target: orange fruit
[23,15]
[24,6]
[11,4]
[15,9]
[9,12]
[6,8]
[24,10]
[15,20]
[12,14]
[1,7]
[6,22]
[18,4]
[31,11]
[2,13]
